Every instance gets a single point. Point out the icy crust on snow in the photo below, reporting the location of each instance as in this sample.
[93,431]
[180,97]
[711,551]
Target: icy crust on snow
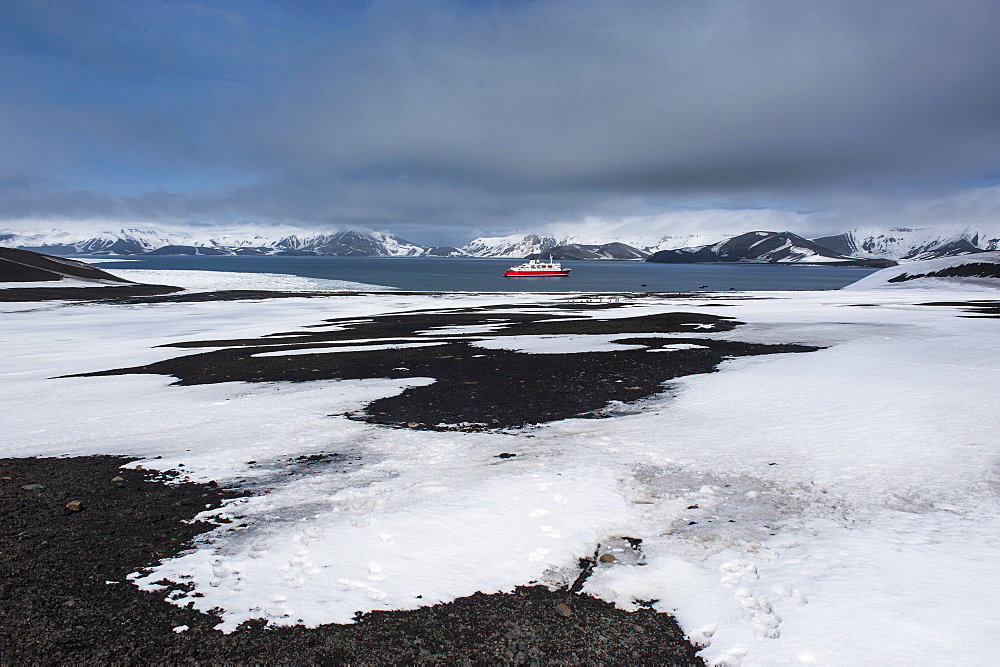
[835,507]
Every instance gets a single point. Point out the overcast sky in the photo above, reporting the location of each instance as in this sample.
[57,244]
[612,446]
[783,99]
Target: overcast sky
[442,121]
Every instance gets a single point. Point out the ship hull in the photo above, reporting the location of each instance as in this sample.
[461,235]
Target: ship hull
[536,274]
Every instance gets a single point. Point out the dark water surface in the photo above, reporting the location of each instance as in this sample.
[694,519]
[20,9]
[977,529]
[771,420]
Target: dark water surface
[440,274]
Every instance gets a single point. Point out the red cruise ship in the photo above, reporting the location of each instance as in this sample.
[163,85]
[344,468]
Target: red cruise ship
[534,268]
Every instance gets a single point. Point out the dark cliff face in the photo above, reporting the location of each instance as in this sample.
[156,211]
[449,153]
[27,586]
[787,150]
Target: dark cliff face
[444,251]
[841,244]
[949,249]
[622,251]
[686,256]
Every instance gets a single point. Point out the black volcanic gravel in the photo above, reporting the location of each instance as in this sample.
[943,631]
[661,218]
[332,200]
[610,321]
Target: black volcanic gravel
[57,604]
[978,308]
[968,270]
[474,387]
[28,294]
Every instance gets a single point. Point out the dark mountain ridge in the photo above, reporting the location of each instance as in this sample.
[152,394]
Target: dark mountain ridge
[763,247]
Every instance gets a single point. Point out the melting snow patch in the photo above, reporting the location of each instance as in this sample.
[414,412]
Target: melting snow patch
[564,343]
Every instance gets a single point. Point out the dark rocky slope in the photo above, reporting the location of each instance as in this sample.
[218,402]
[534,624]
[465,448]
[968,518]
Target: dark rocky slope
[17,266]
[26,266]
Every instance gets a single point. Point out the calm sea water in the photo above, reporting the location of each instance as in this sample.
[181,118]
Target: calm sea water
[457,274]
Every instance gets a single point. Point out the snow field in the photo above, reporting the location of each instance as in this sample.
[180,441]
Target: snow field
[209,281]
[404,533]
[834,507]
[881,497]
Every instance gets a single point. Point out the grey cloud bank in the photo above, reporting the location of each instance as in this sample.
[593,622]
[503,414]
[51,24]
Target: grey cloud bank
[448,120]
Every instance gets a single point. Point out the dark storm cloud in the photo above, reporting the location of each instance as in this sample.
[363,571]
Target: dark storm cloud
[489,115]
[669,96]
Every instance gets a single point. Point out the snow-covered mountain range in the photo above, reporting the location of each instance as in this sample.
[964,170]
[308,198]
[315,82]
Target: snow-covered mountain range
[134,241]
[517,246]
[913,244]
[757,246]
[762,246]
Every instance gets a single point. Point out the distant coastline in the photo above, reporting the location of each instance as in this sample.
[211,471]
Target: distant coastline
[872,247]
[485,274]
